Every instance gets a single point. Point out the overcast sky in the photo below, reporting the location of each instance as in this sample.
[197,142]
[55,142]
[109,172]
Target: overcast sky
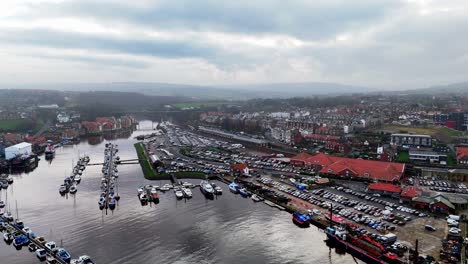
[383,44]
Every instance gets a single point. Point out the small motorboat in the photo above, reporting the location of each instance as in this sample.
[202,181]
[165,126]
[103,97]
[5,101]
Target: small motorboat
[256,198]
[8,237]
[32,247]
[143,198]
[2,204]
[18,242]
[77,178]
[8,216]
[154,195]
[243,192]
[51,246]
[102,202]
[178,193]
[27,230]
[41,240]
[19,224]
[233,187]
[9,179]
[3,184]
[217,189]
[83,260]
[64,255]
[63,189]
[50,259]
[112,203]
[301,219]
[41,254]
[73,189]
[187,192]
[140,190]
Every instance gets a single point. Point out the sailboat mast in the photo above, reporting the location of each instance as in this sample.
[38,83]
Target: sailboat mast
[16,201]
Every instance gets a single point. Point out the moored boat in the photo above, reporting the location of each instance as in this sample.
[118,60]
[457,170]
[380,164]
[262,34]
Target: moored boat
[217,190]
[154,195]
[73,189]
[207,189]
[256,198]
[178,193]
[64,255]
[187,192]
[301,219]
[8,237]
[41,254]
[243,192]
[233,187]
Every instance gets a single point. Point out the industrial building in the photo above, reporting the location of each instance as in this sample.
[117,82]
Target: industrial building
[411,140]
[18,150]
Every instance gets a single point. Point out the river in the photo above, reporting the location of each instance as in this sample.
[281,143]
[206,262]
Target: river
[230,229]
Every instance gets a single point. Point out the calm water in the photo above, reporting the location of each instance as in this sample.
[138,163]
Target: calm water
[230,229]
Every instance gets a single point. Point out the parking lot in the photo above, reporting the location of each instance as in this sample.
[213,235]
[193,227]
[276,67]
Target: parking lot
[374,216]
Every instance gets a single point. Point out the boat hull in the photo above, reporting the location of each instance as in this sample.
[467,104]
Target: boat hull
[355,251]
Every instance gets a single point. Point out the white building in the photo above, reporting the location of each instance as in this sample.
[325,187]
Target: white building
[63,118]
[18,150]
[280,115]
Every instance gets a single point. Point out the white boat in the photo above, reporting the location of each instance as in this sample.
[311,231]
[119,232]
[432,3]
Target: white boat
[187,185]
[178,193]
[50,259]
[73,189]
[82,260]
[140,190]
[41,253]
[63,189]
[187,192]
[78,178]
[2,204]
[8,237]
[10,180]
[143,198]
[8,216]
[217,189]
[51,246]
[256,198]
[27,230]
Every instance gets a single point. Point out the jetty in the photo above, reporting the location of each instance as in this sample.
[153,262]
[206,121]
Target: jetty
[108,198]
[11,228]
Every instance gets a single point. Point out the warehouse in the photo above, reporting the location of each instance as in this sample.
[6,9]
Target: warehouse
[18,150]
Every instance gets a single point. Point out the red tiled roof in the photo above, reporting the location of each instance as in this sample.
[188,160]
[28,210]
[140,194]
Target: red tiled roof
[239,166]
[379,170]
[462,152]
[410,192]
[386,187]
[302,156]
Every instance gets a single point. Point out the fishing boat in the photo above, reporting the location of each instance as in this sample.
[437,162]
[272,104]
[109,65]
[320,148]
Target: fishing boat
[301,219]
[217,189]
[73,189]
[41,254]
[154,195]
[256,198]
[64,255]
[233,187]
[187,192]
[178,193]
[243,192]
[207,189]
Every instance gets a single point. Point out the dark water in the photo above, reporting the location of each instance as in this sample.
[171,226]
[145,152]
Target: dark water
[230,229]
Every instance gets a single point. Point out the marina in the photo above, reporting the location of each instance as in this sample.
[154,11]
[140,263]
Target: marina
[201,224]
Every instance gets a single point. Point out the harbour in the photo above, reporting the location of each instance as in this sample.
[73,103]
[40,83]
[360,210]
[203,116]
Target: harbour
[229,229]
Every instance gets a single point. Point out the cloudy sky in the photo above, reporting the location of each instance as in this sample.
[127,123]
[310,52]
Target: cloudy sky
[378,43]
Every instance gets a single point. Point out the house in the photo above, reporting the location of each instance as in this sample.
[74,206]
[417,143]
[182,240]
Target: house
[300,159]
[386,189]
[462,156]
[411,140]
[408,193]
[436,204]
[92,127]
[357,168]
[240,169]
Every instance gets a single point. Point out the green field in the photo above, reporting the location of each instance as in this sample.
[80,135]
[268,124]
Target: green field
[12,125]
[444,134]
[150,174]
[198,104]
